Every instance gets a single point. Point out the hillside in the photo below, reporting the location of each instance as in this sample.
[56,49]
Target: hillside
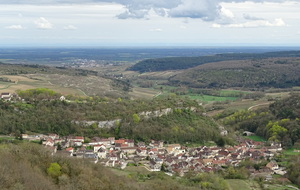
[31,166]
[250,73]
[170,119]
[277,123]
[66,80]
[178,63]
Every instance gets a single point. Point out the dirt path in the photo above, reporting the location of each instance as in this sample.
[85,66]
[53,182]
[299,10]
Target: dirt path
[257,105]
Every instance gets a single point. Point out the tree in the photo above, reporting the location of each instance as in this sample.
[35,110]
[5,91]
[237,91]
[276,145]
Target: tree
[136,118]
[221,142]
[54,170]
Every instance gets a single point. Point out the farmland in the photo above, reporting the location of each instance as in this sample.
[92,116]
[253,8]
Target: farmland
[30,82]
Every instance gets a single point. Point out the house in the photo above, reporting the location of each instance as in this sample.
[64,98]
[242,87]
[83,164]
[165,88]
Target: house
[155,165]
[120,141]
[173,147]
[98,146]
[268,154]
[129,150]
[169,161]
[219,162]
[129,142]
[157,144]
[77,143]
[24,136]
[112,140]
[207,161]
[89,154]
[141,144]
[62,98]
[141,152]
[99,141]
[272,165]
[76,138]
[53,136]
[70,150]
[102,152]
[49,142]
[112,156]
[6,96]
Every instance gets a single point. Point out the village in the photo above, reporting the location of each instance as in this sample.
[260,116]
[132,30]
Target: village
[158,156]
[174,159]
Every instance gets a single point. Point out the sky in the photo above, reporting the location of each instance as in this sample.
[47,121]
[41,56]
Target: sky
[149,23]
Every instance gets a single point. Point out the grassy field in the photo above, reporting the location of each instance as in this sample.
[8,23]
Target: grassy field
[31,82]
[237,184]
[256,138]
[207,98]
[291,152]
[144,92]
[6,138]
[229,92]
[130,170]
[279,187]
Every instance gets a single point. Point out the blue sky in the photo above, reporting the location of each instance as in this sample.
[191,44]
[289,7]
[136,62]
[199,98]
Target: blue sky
[149,22]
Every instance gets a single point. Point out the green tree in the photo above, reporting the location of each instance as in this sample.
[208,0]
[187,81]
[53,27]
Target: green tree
[136,118]
[54,170]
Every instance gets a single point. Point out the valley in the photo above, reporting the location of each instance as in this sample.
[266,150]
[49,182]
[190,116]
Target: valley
[197,102]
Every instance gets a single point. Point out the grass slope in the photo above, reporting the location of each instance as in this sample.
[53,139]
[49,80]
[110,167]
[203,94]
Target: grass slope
[237,184]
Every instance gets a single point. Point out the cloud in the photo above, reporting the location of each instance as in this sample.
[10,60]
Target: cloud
[156,30]
[43,23]
[258,23]
[15,27]
[207,10]
[70,27]
[215,25]
[249,17]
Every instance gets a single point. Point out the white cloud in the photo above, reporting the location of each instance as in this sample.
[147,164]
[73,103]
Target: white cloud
[162,22]
[258,23]
[15,27]
[70,27]
[249,17]
[156,30]
[207,10]
[227,12]
[43,23]
[215,25]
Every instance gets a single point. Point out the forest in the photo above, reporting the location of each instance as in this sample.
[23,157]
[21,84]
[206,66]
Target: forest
[178,63]
[26,165]
[43,112]
[246,74]
[277,123]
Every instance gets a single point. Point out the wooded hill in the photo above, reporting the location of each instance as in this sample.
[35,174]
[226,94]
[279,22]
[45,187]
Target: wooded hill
[44,113]
[250,73]
[31,166]
[278,123]
[178,63]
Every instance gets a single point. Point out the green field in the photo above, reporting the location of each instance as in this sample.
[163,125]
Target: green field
[6,138]
[229,93]
[208,98]
[279,187]
[256,138]
[291,152]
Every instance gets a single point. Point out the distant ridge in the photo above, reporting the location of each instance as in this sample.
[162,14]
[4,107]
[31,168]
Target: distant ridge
[178,63]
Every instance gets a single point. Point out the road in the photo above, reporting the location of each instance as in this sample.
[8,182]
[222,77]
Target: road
[257,105]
